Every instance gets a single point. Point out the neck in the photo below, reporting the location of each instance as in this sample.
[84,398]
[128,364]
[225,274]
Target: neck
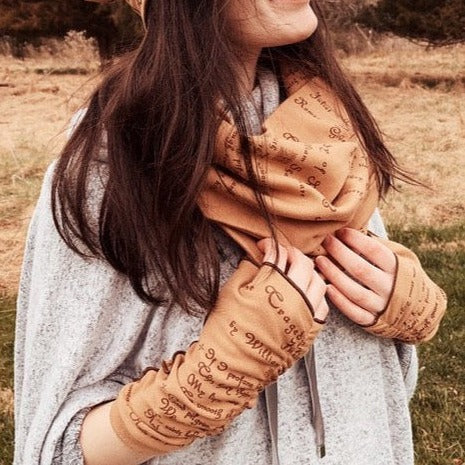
[247,70]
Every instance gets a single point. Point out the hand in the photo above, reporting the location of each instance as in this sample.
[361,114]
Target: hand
[301,271]
[362,288]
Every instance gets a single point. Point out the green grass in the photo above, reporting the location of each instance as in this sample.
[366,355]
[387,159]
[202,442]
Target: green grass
[7,321]
[439,402]
[6,439]
[7,317]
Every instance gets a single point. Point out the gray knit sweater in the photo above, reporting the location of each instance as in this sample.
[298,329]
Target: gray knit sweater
[82,333]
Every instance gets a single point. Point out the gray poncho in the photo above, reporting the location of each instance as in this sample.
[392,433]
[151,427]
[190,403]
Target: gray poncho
[82,333]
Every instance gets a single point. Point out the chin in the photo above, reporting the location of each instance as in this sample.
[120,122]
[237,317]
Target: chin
[294,27]
[270,23]
[299,34]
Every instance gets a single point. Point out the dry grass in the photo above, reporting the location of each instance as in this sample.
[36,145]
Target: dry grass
[34,111]
[6,401]
[76,54]
[417,96]
[426,131]
[424,128]
[397,62]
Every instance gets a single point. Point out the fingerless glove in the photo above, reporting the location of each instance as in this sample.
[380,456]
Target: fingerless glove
[416,305]
[261,324]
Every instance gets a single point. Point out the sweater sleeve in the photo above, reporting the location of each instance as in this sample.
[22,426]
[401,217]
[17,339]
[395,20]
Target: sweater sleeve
[68,450]
[77,323]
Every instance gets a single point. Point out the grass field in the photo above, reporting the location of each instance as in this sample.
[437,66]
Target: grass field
[417,96]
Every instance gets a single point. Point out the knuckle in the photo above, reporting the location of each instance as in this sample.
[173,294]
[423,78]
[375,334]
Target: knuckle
[359,269]
[387,289]
[380,305]
[371,245]
[391,264]
[302,258]
[361,298]
[367,318]
[309,264]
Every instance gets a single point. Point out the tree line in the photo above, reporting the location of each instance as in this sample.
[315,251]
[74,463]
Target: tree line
[114,25]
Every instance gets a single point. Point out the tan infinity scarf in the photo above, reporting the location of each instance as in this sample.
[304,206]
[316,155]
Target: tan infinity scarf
[309,158]
[319,180]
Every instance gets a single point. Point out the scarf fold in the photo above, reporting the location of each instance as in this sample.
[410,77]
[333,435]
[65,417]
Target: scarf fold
[316,175]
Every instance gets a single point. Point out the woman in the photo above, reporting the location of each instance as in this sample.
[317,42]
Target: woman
[230,132]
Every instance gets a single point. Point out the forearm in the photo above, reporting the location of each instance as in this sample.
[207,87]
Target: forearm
[262,323]
[101,445]
[260,326]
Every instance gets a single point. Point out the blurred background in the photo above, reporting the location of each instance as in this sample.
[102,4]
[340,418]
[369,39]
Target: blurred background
[406,58]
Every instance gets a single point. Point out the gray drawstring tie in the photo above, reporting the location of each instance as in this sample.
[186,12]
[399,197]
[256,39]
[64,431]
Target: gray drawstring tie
[317,416]
[271,399]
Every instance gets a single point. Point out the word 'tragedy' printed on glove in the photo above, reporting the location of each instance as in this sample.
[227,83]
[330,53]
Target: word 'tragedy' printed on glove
[261,324]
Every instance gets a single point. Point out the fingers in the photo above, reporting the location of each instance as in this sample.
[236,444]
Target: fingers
[301,271]
[362,288]
[268,247]
[360,295]
[301,268]
[348,308]
[291,261]
[316,295]
[358,267]
[373,250]
[316,290]
[321,312]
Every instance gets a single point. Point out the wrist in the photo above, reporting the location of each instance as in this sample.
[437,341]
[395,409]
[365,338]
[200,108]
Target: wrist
[415,307]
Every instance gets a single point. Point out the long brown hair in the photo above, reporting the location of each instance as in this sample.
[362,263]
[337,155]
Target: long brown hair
[157,109]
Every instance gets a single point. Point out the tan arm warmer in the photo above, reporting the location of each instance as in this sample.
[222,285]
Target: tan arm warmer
[260,326]
[416,305]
